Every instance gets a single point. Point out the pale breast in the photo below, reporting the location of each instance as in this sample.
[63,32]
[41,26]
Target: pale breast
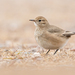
[38,33]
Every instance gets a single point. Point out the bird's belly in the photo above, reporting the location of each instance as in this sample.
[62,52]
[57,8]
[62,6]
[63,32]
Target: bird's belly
[49,44]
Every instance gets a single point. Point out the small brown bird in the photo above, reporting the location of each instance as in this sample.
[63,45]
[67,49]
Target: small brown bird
[49,36]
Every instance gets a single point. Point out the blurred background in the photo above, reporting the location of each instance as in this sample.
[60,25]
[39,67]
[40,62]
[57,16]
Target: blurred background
[15,15]
[15,27]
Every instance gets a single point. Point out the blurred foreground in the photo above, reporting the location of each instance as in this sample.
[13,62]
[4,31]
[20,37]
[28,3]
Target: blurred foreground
[31,59]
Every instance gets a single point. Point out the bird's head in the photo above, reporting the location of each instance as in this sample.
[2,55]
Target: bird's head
[40,21]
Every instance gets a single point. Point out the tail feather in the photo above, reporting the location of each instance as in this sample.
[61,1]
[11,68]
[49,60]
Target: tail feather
[68,33]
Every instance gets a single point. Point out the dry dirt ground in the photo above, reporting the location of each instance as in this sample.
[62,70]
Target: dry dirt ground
[20,58]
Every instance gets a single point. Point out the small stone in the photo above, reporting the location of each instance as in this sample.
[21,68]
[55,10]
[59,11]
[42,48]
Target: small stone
[36,55]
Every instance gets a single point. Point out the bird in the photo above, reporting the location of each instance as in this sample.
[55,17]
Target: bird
[50,36]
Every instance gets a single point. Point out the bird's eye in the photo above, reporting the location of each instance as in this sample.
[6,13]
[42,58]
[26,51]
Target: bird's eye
[39,20]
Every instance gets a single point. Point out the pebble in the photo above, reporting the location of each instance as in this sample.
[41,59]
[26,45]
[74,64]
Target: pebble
[36,55]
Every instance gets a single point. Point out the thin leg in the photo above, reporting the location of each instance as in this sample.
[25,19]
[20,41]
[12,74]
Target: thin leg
[47,51]
[56,51]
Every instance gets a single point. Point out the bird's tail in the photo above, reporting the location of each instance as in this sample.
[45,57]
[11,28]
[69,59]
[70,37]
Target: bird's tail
[68,33]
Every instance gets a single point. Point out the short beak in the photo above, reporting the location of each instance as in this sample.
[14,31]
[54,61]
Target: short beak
[32,20]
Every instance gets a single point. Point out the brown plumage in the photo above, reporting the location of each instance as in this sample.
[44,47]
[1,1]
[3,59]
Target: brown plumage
[49,36]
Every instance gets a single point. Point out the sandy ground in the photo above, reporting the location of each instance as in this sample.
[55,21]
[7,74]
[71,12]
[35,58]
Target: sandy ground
[18,58]
[19,52]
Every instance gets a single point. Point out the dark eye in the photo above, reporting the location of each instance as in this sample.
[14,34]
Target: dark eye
[39,20]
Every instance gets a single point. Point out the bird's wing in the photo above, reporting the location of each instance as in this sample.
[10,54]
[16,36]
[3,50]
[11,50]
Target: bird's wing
[53,38]
[54,29]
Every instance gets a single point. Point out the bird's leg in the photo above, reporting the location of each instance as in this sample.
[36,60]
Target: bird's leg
[47,51]
[56,51]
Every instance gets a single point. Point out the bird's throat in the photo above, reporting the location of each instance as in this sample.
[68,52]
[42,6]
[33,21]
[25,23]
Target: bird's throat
[35,24]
